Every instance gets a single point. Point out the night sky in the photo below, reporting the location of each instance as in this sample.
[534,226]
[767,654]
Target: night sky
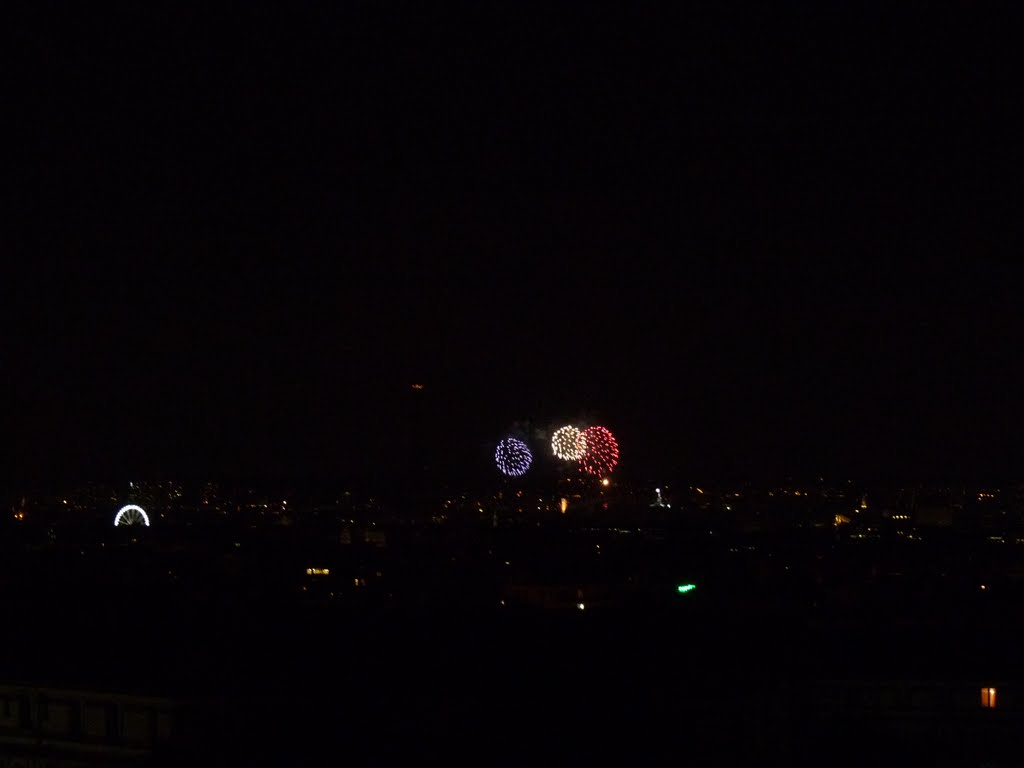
[752,242]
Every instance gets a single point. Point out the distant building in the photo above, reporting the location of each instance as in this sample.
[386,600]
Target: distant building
[930,507]
[564,597]
[375,538]
[83,727]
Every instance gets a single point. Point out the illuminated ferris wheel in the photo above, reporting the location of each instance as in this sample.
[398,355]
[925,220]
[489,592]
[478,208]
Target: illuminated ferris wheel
[131,514]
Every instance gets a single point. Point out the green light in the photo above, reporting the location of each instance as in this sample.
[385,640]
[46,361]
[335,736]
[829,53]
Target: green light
[682,589]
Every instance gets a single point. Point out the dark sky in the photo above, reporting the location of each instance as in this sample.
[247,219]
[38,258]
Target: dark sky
[748,240]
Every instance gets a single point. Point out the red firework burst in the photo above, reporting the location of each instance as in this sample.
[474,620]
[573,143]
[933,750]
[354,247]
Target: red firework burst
[602,453]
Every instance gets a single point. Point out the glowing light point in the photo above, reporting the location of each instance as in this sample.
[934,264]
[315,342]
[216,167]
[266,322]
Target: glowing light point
[682,589]
[988,698]
[131,514]
[605,481]
[513,457]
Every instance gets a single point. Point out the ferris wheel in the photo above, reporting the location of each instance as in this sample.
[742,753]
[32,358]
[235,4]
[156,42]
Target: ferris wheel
[131,514]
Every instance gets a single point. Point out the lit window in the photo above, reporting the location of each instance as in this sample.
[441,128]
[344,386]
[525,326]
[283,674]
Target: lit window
[988,698]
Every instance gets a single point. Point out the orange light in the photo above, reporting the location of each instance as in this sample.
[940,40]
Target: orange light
[563,505]
[988,698]
[418,386]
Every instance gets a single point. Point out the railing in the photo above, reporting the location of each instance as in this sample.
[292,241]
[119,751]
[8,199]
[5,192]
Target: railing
[86,722]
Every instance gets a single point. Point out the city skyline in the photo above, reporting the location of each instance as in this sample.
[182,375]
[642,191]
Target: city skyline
[511,384]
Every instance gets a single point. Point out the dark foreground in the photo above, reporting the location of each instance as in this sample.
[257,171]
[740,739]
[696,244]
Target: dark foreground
[759,667]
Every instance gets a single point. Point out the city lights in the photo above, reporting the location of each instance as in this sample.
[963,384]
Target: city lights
[131,514]
[568,443]
[513,457]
